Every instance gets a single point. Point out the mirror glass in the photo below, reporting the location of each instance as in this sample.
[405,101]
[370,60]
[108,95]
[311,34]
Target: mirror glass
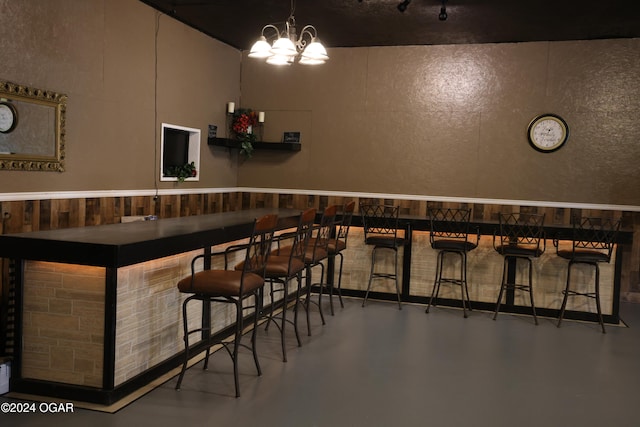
[32,128]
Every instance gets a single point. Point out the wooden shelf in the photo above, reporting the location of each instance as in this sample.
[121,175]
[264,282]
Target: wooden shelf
[258,145]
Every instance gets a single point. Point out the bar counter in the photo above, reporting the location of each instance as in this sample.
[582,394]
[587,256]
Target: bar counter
[98,312]
[97,309]
[119,245]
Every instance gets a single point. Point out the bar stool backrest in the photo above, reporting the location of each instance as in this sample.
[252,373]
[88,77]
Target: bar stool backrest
[259,245]
[303,235]
[322,235]
[595,234]
[345,221]
[523,230]
[449,224]
[380,223]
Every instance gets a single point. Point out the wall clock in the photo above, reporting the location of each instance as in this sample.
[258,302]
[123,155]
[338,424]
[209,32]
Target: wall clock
[8,117]
[548,132]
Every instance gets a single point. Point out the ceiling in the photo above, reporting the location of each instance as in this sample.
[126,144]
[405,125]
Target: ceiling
[357,23]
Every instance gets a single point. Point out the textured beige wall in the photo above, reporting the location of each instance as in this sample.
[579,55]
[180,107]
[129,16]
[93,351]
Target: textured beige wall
[425,120]
[102,54]
[451,121]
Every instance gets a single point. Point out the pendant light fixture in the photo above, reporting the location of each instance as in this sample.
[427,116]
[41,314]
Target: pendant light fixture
[288,47]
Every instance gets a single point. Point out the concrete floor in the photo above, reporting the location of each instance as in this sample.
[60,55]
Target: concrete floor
[379,366]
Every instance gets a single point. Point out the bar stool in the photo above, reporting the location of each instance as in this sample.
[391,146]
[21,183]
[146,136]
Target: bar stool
[380,223]
[449,234]
[282,267]
[520,237]
[316,251]
[231,287]
[339,244]
[593,240]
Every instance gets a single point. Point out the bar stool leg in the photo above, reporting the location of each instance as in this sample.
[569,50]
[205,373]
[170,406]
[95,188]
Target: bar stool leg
[258,304]
[185,329]
[466,286]
[340,280]
[597,296]
[236,343]
[320,294]
[284,322]
[436,283]
[307,303]
[207,301]
[502,286]
[463,285]
[566,295]
[396,277]
[373,260]
[270,317]
[462,280]
[533,306]
[332,259]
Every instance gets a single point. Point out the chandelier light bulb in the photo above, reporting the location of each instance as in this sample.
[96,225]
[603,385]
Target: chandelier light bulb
[309,61]
[280,60]
[315,50]
[284,47]
[260,49]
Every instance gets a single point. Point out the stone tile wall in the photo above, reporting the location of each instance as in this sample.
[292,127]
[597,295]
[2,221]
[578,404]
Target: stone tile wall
[63,323]
[484,274]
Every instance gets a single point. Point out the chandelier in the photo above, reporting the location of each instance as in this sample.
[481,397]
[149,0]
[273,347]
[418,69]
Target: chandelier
[288,47]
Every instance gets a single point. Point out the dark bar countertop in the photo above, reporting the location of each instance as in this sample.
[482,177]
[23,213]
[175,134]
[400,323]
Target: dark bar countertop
[122,244]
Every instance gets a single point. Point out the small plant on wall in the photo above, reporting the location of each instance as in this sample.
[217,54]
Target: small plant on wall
[188,170]
[179,153]
[243,126]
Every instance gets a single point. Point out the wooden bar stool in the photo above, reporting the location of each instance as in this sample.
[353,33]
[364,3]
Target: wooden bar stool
[449,235]
[521,237]
[593,240]
[230,287]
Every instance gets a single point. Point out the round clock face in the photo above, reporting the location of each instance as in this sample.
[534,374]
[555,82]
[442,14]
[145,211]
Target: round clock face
[548,132]
[8,117]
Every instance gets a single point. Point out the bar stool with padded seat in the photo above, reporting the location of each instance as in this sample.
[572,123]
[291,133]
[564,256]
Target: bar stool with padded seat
[521,237]
[337,245]
[282,267]
[316,251]
[380,223]
[449,234]
[231,287]
[593,240]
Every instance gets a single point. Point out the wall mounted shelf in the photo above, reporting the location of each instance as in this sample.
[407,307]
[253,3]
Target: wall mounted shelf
[258,145]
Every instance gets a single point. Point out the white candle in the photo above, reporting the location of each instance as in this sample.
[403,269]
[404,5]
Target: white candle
[261,117]
[231,107]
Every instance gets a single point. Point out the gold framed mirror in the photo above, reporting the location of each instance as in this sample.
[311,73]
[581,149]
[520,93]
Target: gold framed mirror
[32,128]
